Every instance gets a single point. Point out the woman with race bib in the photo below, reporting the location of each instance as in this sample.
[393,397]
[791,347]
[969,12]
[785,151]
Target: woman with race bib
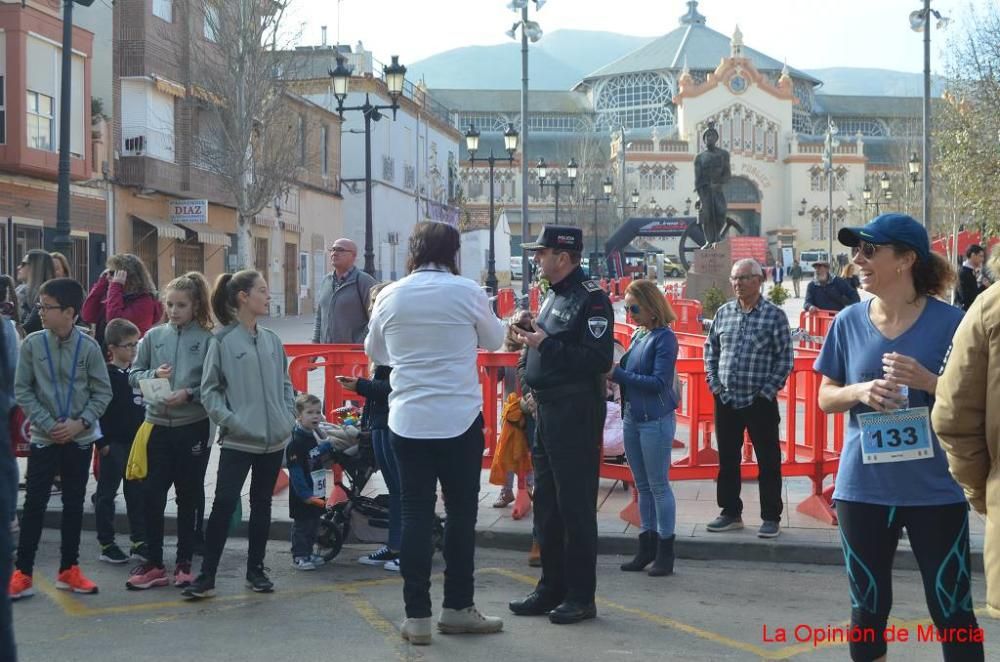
[880,362]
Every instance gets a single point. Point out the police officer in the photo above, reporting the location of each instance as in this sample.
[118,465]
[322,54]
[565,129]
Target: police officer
[570,348]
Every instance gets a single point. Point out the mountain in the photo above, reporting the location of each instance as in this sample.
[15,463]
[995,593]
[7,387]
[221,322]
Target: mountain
[874,82]
[561,59]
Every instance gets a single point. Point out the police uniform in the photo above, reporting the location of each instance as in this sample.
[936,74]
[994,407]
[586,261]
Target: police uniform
[566,374]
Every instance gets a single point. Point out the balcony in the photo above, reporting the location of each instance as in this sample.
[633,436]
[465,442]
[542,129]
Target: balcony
[146,141]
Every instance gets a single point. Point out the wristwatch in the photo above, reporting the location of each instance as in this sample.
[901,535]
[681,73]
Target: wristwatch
[86,424]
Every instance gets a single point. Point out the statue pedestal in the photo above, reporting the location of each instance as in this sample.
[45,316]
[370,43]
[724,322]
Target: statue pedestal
[712,266]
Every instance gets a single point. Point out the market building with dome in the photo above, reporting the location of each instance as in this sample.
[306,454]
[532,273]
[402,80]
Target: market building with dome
[639,120]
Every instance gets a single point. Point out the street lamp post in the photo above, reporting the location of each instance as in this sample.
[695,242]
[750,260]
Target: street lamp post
[395,74]
[510,138]
[920,21]
[607,187]
[885,193]
[543,171]
[62,242]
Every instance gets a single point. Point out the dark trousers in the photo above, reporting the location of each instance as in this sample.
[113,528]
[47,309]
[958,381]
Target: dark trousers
[457,463]
[72,462]
[175,456]
[8,503]
[761,418]
[304,530]
[389,466]
[110,477]
[233,469]
[939,538]
[567,459]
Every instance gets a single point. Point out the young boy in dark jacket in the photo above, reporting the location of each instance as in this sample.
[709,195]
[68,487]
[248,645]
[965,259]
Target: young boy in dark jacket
[119,424]
[304,458]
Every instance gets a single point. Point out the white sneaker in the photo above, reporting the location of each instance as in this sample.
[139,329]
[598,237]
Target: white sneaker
[392,566]
[468,621]
[317,560]
[417,631]
[303,563]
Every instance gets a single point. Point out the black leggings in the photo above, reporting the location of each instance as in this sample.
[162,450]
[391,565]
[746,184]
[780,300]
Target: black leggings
[939,537]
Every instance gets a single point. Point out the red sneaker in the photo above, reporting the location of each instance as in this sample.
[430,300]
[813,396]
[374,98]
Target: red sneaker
[73,580]
[20,586]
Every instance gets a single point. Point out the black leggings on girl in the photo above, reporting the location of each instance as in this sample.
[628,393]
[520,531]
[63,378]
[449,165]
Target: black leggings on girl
[939,537]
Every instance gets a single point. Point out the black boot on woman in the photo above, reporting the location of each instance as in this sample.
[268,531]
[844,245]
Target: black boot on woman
[647,552]
[664,563]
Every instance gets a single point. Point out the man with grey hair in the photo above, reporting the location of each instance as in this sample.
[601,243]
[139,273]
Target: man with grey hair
[342,303]
[748,357]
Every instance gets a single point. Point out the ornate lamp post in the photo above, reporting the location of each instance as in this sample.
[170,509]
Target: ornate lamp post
[543,172]
[510,138]
[395,75]
[607,187]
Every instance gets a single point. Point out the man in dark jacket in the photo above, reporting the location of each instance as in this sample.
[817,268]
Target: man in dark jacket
[829,292]
[971,280]
[570,348]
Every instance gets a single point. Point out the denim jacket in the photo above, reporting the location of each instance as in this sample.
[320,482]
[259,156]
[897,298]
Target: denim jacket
[646,375]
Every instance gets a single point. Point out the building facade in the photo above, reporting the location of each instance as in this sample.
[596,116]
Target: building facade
[30,77]
[640,119]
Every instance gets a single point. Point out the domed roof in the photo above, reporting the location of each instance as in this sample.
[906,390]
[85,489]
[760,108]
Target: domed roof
[693,44]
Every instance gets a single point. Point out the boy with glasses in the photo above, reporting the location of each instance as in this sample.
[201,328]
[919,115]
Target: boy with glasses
[63,386]
[119,424]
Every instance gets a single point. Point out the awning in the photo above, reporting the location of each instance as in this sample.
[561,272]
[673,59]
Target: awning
[207,235]
[168,86]
[265,222]
[163,229]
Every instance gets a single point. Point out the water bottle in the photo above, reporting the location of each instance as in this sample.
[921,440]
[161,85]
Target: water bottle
[904,391]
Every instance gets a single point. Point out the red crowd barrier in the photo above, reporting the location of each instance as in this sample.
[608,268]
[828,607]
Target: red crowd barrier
[816,323]
[505,303]
[689,315]
[534,297]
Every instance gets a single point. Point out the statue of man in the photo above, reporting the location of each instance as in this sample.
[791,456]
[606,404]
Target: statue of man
[711,172]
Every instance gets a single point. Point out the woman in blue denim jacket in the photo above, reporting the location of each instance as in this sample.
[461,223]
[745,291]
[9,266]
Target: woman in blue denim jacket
[646,377]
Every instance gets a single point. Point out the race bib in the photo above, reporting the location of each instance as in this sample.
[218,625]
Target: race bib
[319,483]
[897,436]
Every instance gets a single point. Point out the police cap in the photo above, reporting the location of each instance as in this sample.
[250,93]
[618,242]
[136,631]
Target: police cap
[560,237]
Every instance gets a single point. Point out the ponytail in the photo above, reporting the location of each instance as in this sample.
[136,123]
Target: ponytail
[196,287]
[224,301]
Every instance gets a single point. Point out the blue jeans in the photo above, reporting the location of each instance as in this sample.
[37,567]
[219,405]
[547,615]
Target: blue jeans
[387,464]
[647,448]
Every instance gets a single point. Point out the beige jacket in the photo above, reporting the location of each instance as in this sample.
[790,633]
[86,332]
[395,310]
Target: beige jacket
[968,427]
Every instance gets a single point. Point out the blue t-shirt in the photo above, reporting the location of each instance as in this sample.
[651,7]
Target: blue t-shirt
[852,353]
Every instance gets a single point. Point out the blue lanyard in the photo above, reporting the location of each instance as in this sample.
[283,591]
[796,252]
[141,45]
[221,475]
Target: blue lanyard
[64,411]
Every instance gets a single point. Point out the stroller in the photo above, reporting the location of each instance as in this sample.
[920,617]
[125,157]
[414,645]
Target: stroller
[360,519]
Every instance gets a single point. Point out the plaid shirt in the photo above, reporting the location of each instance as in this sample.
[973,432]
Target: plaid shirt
[748,354]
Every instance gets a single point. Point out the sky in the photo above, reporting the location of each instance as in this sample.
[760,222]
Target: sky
[859,33]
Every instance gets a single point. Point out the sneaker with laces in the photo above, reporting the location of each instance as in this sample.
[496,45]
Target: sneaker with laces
[182,575]
[417,631]
[317,560]
[202,587]
[73,580]
[146,575]
[112,554]
[20,586]
[139,552]
[769,529]
[258,581]
[392,566]
[303,563]
[468,621]
[378,557]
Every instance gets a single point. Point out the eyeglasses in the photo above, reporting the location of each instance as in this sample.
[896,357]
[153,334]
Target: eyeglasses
[865,248]
[743,279]
[41,307]
[338,249]
[633,309]
[128,345]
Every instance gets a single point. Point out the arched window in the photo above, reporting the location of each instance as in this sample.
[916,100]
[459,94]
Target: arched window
[638,101]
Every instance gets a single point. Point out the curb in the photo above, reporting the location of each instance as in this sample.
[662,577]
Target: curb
[725,548]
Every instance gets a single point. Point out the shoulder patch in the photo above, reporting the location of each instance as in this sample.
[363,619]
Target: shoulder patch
[591,286]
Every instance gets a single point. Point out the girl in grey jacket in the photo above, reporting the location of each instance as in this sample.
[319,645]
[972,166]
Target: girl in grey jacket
[178,448]
[247,393]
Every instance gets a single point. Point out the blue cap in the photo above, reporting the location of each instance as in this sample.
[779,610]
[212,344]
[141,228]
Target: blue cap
[890,228]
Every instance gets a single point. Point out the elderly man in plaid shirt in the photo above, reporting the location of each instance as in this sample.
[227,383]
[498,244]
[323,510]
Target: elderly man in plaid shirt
[748,356]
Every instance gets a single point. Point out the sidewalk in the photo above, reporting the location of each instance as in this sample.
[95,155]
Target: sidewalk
[803,539]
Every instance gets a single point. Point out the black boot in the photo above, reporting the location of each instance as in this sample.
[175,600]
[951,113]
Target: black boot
[647,552]
[664,563]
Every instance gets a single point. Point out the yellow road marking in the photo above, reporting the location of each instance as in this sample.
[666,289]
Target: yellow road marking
[367,611]
[62,598]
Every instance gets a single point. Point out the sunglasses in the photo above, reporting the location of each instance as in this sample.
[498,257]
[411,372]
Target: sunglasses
[633,309]
[865,248]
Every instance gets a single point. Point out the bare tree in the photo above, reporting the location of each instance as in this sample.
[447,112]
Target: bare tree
[247,133]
